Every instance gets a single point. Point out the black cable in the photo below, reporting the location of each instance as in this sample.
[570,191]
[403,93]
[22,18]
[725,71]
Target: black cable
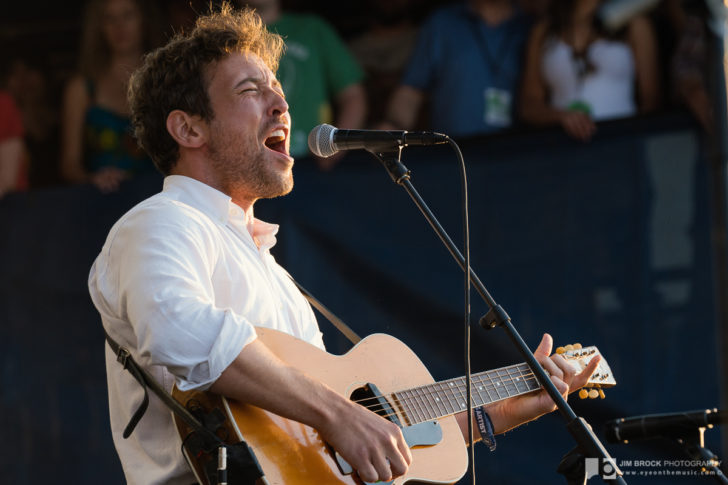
[466,254]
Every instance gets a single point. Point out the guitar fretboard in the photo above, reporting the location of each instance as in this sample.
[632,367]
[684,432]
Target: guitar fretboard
[444,398]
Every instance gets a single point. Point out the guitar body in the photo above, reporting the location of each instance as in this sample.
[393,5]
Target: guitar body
[291,453]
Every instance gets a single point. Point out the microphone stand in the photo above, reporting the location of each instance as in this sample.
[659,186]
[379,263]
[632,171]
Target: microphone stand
[694,446]
[692,442]
[588,444]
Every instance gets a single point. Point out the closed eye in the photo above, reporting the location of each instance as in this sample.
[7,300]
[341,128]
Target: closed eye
[248,90]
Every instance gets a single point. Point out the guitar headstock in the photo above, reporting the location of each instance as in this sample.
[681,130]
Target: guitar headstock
[579,357]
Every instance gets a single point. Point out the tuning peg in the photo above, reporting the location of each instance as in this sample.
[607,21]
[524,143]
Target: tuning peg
[560,350]
[593,394]
[577,346]
[583,394]
[569,347]
[601,394]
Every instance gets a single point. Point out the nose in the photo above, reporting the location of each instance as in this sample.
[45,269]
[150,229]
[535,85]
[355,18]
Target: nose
[278,104]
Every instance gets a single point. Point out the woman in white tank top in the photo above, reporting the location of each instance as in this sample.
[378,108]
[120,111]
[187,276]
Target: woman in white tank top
[576,74]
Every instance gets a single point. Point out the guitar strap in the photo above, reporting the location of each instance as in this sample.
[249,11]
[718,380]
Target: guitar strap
[242,463]
[328,314]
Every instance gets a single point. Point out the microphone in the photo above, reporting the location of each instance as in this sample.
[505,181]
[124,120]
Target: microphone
[325,140]
[661,425]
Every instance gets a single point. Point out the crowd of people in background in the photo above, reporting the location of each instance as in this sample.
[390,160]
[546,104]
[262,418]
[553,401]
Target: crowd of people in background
[525,63]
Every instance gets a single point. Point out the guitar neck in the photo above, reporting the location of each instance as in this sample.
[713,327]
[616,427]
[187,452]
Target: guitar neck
[448,397]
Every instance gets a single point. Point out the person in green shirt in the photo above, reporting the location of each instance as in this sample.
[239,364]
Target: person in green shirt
[321,79]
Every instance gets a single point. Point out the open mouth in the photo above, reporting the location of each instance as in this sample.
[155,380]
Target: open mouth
[277,142]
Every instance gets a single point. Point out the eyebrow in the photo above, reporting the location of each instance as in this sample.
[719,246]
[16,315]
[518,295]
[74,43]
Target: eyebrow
[251,79]
[258,80]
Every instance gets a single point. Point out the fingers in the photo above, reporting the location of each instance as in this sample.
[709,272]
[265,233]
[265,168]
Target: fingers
[567,370]
[388,463]
[405,453]
[583,377]
[395,460]
[542,356]
[368,473]
[383,470]
[578,125]
[373,446]
[563,374]
[544,347]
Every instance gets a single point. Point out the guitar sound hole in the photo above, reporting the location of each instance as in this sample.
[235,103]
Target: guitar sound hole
[370,397]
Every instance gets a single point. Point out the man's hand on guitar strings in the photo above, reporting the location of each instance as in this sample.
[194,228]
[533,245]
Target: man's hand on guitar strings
[372,445]
[513,412]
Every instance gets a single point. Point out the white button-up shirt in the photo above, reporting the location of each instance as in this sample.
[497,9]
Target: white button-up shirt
[181,283]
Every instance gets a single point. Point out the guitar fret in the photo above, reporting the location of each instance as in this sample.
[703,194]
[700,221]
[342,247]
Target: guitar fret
[528,378]
[489,387]
[420,410]
[478,388]
[437,396]
[463,392]
[440,409]
[427,402]
[461,395]
[442,394]
[521,383]
[415,406]
[499,385]
[462,386]
[452,396]
[513,379]
[413,413]
[510,383]
[403,405]
[533,383]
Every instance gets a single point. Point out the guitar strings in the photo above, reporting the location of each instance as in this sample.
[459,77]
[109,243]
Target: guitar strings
[487,384]
[458,392]
[423,411]
[429,390]
[484,377]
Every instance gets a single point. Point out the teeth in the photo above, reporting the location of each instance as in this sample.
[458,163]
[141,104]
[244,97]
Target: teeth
[278,134]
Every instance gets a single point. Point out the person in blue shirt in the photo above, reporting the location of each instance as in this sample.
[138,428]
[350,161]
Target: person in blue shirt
[468,62]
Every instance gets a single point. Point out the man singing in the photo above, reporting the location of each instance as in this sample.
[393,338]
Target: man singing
[185,276]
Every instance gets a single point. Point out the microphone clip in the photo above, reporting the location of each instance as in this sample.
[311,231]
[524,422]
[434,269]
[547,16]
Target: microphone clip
[391,159]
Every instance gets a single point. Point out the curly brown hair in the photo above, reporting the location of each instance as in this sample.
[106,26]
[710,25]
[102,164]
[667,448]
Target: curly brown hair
[173,77]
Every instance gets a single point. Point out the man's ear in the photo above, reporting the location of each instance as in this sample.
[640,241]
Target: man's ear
[188,131]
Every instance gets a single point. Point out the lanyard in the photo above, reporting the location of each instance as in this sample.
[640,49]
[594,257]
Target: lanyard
[493,62]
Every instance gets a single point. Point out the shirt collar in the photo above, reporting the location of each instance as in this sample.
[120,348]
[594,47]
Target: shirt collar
[219,207]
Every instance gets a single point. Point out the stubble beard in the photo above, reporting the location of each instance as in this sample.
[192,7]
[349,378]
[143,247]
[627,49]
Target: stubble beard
[243,168]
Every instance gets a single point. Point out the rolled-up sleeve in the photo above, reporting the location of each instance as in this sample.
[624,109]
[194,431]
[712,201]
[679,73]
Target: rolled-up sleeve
[155,272]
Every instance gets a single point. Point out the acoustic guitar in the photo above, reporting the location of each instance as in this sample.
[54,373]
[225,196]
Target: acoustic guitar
[383,374]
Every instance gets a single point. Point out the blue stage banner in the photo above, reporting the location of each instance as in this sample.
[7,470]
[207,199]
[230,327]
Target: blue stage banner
[605,243]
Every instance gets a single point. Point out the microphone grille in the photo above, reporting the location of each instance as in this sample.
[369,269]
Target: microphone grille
[321,141]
